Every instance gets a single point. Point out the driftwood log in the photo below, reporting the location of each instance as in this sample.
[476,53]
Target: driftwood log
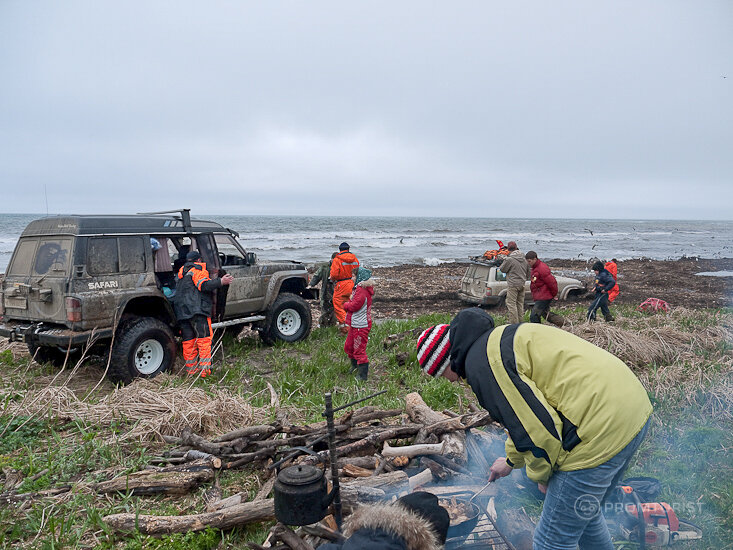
[419,412]
[391,482]
[287,535]
[241,514]
[412,451]
[232,516]
[172,480]
[420,479]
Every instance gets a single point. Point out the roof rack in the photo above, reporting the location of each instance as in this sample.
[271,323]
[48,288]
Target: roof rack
[185,214]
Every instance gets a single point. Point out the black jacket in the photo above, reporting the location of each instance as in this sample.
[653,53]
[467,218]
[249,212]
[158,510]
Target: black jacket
[194,291]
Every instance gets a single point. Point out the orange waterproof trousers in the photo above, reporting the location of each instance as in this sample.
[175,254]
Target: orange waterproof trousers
[196,335]
[341,294]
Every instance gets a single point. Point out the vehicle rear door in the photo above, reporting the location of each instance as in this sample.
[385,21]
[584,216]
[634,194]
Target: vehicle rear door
[471,282]
[36,282]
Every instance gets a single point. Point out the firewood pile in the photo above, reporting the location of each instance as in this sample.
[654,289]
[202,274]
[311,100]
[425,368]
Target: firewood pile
[382,454]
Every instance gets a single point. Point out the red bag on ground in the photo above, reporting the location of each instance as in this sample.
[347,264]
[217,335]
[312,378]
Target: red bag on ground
[653,305]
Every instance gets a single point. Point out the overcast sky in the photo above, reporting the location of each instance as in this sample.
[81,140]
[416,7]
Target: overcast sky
[618,109]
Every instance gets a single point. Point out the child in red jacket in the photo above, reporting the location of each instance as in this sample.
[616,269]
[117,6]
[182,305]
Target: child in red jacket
[359,319]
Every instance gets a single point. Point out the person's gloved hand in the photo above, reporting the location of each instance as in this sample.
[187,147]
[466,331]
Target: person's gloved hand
[426,505]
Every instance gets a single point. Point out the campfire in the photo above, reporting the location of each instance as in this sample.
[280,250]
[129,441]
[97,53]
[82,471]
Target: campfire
[380,455]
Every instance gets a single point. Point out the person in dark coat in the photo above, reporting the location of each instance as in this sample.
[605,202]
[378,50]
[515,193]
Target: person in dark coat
[413,522]
[544,289]
[322,276]
[193,304]
[603,284]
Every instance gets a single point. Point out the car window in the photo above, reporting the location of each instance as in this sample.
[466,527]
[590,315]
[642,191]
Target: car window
[25,252]
[229,252]
[132,254]
[52,257]
[102,256]
[500,275]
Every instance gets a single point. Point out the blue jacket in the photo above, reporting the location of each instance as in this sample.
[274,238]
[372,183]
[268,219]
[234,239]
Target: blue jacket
[604,281]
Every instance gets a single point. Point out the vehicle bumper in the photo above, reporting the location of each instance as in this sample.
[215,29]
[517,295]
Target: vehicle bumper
[48,335]
[485,301]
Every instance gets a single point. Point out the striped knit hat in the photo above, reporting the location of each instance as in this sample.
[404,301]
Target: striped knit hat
[433,350]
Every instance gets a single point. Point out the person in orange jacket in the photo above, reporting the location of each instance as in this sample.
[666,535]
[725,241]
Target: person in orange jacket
[342,268]
[612,268]
[193,304]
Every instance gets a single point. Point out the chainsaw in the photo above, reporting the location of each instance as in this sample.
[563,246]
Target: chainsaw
[650,523]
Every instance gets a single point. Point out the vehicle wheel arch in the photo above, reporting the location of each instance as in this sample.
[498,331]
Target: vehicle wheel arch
[293,282]
[576,291]
[148,306]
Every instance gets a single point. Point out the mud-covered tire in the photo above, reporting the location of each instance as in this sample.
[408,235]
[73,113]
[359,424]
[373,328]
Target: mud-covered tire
[143,348]
[288,320]
[57,357]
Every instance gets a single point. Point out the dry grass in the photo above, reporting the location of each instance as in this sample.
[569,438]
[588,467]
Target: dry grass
[676,354]
[151,407]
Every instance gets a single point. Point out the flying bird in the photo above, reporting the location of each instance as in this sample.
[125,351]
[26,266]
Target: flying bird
[593,247]
[589,231]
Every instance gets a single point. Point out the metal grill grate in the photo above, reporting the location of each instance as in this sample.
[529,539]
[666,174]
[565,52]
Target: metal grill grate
[483,537]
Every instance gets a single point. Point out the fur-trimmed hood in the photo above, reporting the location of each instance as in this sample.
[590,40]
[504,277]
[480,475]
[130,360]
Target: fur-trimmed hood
[416,531]
[367,283]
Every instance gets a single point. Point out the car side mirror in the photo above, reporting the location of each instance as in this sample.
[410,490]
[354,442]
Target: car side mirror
[251,258]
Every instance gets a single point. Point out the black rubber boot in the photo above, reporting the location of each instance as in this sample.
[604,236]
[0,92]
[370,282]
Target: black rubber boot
[609,318]
[362,371]
[353,365]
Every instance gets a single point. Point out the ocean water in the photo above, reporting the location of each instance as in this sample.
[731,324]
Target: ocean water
[389,241]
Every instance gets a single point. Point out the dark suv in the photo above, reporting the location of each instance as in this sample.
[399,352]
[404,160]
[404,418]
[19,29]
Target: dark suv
[79,280]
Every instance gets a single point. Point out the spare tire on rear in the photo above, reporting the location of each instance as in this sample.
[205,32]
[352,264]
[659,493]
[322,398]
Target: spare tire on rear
[143,348]
[288,319]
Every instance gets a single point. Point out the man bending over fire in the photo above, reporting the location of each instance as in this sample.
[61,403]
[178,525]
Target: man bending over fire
[574,414]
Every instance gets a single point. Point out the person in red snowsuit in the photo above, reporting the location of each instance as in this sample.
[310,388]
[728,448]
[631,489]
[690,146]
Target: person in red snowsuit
[359,319]
[343,267]
[612,268]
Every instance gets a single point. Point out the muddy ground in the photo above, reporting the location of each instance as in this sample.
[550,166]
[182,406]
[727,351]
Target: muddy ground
[408,291]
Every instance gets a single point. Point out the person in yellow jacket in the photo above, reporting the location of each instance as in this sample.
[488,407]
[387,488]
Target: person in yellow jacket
[193,304]
[574,413]
[342,268]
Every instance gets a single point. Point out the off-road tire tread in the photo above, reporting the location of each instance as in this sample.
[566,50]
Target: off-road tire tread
[269,333]
[127,334]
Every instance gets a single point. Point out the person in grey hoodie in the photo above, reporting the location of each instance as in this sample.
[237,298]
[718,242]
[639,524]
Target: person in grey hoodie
[517,273]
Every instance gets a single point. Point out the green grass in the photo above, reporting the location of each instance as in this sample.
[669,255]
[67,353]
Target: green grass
[689,452]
